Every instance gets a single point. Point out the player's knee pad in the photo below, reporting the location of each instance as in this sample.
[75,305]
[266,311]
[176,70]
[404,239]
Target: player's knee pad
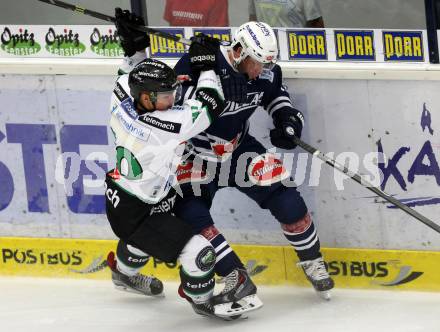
[130,259]
[197,269]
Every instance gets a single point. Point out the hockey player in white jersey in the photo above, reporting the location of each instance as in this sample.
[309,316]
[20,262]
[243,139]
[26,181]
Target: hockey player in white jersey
[150,135]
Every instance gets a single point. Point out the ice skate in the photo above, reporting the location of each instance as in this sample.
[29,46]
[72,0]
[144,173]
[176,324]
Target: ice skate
[318,276]
[205,308]
[238,297]
[139,283]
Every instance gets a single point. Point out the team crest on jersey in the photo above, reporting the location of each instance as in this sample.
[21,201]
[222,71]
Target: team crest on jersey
[266,169]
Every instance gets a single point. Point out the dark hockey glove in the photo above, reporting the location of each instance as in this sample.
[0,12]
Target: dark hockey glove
[203,53]
[287,124]
[131,40]
[212,101]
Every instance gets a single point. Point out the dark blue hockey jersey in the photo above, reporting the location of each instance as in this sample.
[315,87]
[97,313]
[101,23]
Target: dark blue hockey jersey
[219,141]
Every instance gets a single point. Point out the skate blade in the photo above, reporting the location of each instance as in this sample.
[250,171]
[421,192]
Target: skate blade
[247,304]
[325,295]
[134,291]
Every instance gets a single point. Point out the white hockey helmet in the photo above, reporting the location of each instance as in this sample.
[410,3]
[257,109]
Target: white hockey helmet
[258,40]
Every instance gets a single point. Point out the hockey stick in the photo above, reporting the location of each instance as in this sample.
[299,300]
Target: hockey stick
[107,18]
[356,177]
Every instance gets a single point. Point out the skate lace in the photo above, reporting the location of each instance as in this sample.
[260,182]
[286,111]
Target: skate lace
[141,281]
[231,281]
[315,269]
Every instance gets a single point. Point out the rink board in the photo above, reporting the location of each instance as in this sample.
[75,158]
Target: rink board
[269,265]
[42,196]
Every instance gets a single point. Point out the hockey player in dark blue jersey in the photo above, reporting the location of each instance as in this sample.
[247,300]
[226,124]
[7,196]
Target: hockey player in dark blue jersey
[250,79]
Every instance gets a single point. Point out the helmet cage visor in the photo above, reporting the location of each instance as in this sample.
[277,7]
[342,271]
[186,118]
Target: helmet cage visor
[176,93]
[268,64]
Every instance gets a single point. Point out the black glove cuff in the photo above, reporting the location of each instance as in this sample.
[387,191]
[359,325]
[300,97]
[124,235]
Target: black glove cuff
[279,140]
[285,114]
[211,100]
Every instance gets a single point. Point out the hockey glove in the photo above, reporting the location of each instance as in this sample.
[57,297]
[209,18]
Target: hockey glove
[288,123]
[203,53]
[212,101]
[131,40]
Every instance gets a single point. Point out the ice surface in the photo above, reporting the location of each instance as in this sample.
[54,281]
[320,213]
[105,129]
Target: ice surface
[58,305]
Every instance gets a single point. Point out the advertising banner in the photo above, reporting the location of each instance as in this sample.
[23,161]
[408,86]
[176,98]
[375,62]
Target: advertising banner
[307,45]
[355,45]
[101,41]
[222,34]
[403,45]
[164,48]
[268,265]
[78,41]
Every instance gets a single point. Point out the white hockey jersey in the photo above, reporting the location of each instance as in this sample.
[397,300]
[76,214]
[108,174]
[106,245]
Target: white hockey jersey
[149,146]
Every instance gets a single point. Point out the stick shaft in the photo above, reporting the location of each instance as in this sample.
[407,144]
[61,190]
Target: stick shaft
[108,18]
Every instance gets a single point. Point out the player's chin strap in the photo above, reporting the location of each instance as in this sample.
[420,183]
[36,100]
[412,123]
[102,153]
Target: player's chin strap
[290,132]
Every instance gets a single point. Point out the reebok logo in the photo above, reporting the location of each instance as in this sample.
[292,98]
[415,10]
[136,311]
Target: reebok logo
[200,58]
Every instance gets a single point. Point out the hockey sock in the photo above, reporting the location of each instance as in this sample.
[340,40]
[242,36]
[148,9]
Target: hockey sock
[197,269]
[227,260]
[130,260]
[303,237]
